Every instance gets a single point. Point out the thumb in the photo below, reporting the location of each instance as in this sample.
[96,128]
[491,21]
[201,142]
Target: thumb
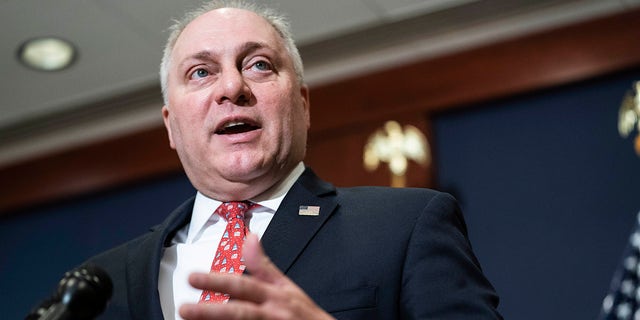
[257,262]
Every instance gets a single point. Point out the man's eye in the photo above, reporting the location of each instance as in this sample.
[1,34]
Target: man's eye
[200,73]
[262,66]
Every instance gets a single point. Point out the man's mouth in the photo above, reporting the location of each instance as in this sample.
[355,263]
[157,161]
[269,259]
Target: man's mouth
[234,127]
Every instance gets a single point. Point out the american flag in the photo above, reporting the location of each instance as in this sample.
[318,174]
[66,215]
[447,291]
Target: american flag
[623,299]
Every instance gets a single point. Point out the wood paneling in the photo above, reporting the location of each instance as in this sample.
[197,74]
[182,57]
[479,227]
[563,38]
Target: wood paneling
[85,169]
[536,61]
[337,156]
[344,113]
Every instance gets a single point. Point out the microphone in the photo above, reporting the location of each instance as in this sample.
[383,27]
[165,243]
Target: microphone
[82,294]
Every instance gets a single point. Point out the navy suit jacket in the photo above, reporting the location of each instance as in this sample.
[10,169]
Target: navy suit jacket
[371,253]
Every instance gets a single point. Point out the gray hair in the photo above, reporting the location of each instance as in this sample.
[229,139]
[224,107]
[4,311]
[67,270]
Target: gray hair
[276,19]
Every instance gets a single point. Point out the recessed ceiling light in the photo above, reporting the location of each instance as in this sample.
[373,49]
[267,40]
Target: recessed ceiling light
[47,53]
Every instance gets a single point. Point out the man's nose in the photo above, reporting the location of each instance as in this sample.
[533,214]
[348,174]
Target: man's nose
[233,88]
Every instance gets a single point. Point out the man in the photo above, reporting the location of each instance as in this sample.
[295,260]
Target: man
[237,113]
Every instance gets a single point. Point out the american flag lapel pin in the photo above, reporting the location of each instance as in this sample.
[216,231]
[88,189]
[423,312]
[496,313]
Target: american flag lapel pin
[309,211]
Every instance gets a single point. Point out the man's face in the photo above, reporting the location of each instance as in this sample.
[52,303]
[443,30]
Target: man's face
[237,115]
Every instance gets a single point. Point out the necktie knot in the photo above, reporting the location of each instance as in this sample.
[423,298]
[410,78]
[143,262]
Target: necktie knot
[233,210]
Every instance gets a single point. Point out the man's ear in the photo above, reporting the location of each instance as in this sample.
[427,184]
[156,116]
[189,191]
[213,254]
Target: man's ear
[304,93]
[167,125]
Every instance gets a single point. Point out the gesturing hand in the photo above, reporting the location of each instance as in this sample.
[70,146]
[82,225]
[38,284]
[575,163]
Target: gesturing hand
[266,294]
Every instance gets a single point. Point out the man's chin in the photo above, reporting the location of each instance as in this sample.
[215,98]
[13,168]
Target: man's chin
[243,172]
[236,191]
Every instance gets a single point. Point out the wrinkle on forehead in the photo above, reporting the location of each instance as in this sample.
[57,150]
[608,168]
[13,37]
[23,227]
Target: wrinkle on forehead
[243,49]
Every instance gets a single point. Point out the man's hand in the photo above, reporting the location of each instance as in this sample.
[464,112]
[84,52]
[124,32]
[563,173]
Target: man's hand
[266,294]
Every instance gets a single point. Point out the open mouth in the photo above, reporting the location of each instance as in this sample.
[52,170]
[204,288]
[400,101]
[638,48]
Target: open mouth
[235,127]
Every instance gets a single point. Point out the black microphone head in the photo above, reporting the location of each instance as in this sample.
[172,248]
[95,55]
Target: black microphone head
[41,309]
[85,291]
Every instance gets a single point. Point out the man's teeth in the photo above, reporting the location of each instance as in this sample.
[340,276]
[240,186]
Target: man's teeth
[233,124]
[233,127]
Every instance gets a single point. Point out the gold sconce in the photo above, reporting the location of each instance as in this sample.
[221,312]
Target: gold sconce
[395,145]
[629,116]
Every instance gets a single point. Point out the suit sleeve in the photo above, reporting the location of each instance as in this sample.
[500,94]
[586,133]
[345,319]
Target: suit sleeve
[442,278]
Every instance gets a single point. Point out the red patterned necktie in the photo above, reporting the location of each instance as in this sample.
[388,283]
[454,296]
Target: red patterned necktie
[228,258]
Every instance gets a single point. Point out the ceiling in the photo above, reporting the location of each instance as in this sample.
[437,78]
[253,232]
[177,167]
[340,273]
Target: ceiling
[112,88]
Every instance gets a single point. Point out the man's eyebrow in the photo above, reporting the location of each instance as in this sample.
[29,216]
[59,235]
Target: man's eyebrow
[201,56]
[244,49]
[253,46]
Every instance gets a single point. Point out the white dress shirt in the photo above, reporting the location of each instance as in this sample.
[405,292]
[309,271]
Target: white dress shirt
[193,247]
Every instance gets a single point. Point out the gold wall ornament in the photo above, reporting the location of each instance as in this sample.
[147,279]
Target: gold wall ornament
[629,115]
[395,145]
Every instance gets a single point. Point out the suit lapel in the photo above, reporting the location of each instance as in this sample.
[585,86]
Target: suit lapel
[143,264]
[284,240]
[289,232]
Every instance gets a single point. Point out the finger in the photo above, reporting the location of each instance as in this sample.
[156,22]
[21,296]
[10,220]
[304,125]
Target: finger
[257,262]
[238,287]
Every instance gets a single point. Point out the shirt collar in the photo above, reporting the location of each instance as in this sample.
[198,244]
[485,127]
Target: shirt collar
[269,201]
[274,195]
